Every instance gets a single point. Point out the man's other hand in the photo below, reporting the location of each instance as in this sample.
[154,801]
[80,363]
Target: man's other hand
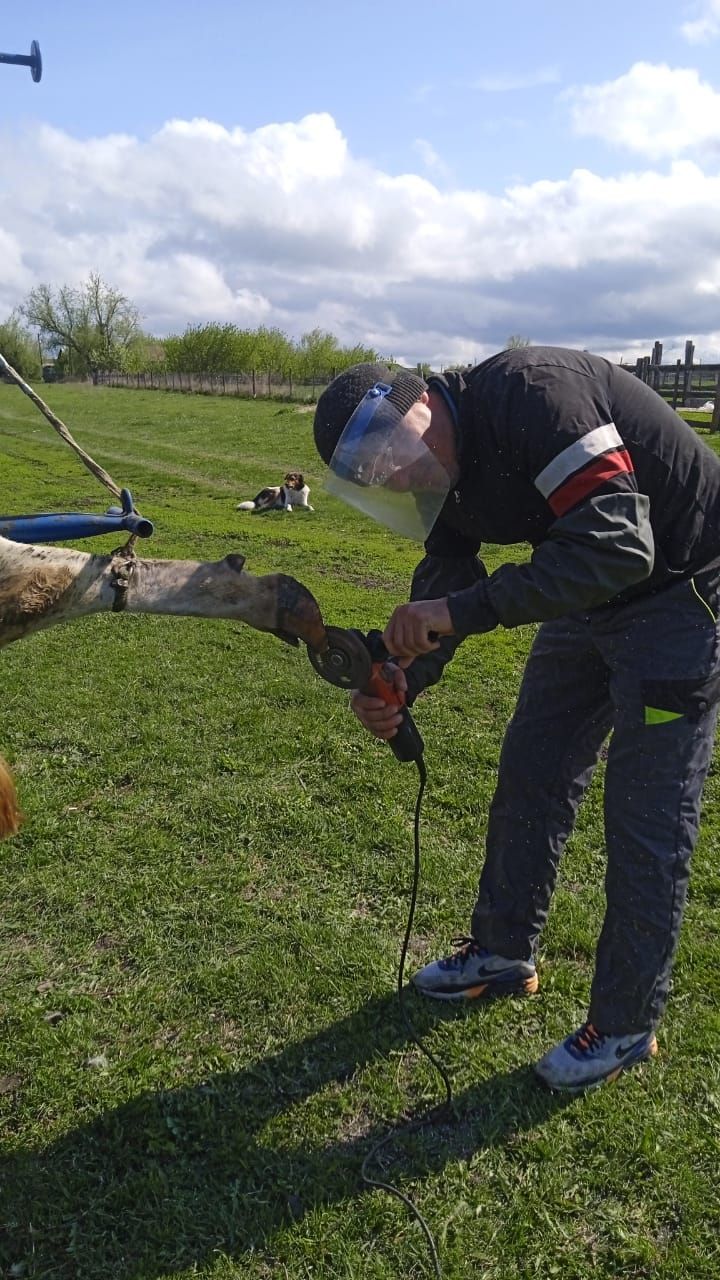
[413,629]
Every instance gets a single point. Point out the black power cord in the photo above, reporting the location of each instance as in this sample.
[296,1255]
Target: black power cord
[436,1112]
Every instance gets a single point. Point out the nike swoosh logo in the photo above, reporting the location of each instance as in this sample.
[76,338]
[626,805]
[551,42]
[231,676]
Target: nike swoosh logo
[623,1049]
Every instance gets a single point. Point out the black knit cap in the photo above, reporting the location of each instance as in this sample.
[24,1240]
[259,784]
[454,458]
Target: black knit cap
[341,398]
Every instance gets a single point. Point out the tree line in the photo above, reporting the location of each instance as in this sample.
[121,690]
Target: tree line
[92,328]
[87,329]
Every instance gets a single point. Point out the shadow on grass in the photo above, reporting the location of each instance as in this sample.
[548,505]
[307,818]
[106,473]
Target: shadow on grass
[162,1183]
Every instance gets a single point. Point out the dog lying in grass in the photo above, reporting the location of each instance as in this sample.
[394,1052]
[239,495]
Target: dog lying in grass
[293,492]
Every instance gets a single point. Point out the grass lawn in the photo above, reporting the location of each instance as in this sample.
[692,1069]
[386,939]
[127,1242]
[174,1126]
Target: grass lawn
[202,916]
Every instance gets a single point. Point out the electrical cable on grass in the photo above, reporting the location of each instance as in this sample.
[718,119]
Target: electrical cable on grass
[419,1121]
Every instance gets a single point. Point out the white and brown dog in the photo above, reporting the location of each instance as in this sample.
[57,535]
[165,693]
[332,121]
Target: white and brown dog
[293,492]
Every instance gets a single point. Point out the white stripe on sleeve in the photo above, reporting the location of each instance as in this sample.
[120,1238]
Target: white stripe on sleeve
[577,455]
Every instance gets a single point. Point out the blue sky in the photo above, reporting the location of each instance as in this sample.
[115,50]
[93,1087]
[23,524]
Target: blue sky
[427,177]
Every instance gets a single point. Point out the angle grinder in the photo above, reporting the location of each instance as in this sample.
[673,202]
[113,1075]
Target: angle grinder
[352,661]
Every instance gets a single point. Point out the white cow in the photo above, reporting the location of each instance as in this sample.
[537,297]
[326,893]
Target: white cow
[44,585]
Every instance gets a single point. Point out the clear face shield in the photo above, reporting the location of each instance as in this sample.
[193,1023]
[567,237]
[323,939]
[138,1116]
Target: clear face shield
[383,467]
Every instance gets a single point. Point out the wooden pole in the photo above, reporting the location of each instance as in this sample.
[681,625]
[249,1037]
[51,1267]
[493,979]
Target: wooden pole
[656,361]
[676,384]
[687,375]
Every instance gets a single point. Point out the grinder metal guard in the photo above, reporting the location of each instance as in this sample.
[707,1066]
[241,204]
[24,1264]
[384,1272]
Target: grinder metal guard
[349,662]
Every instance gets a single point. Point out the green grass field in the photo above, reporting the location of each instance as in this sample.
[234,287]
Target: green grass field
[202,917]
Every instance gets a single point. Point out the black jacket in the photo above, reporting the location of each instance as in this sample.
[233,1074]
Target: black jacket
[563,450]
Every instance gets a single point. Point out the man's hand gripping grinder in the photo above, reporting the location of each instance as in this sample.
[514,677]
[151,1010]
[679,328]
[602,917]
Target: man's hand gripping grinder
[355,661]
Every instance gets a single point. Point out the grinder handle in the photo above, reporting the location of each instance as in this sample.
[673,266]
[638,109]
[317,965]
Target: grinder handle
[407,743]
[382,685]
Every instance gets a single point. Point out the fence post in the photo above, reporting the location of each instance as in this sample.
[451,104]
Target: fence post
[687,377]
[676,384]
[656,361]
[715,421]
[253,384]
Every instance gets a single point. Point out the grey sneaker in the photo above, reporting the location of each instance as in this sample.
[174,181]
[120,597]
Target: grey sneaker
[471,972]
[588,1058]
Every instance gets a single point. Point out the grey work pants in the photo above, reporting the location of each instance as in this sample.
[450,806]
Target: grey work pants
[650,672]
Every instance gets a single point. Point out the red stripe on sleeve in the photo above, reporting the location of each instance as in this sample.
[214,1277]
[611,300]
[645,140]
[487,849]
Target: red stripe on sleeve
[583,483]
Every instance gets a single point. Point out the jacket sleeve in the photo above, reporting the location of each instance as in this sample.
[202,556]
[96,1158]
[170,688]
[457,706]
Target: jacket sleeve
[589,556]
[451,564]
[561,436]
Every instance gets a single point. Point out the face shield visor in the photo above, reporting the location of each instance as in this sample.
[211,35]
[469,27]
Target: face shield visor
[383,467]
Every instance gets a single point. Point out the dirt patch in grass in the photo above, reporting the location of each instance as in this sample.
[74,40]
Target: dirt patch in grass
[357,579]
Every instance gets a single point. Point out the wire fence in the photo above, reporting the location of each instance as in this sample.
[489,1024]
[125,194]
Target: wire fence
[281,385]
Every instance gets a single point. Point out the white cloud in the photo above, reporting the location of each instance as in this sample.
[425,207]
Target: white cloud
[284,226]
[707,24]
[191,285]
[511,81]
[15,275]
[429,156]
[655,110]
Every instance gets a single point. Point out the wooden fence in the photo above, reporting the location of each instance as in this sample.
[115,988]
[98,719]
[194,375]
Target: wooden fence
[683,383]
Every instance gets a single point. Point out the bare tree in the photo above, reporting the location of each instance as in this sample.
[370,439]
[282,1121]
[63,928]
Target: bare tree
[94,323]
[516,340]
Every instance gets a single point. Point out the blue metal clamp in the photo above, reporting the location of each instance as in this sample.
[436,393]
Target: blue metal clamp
[59,526]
